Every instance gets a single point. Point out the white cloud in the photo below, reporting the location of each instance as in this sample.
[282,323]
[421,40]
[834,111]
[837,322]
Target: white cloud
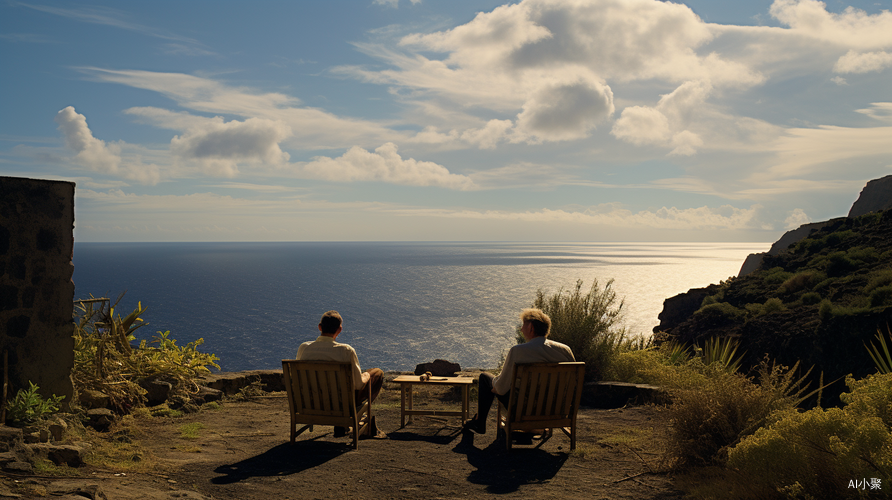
[311,128]
[385,165]
[852,28]
[393,3]
[91,152]
[866,62]
[220,146]
[796,218]
[881,111]
[725,217]
[805,151]
[667,123]
[565,110]
[98,156]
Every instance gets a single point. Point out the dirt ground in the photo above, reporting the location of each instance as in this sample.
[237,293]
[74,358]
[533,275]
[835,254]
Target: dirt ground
[241,451]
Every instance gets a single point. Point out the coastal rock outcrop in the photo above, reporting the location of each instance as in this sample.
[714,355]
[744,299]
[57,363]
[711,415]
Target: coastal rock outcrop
[438,368]
[876,196]
[815,298]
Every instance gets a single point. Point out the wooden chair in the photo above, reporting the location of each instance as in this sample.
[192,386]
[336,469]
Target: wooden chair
[322,393]
[544,396]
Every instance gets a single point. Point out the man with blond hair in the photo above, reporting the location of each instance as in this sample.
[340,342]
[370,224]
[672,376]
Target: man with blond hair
[324,348]
[537,349]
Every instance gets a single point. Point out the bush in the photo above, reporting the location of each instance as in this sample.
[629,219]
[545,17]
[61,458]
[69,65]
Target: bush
[721,313]
[811,298]
[28,406]
[104,359]
[726,407]
[819,452]
[881,296]
[589,323]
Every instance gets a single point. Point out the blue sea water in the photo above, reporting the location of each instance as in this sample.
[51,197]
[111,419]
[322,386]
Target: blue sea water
[402,303]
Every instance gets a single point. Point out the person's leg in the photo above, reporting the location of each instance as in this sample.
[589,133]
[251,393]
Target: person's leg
[485,397]
[376,380]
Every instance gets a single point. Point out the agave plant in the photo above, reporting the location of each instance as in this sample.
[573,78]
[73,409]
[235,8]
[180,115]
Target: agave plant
[722,351]
[880,354]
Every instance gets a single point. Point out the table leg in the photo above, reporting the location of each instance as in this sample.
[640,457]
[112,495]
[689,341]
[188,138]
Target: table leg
[410,397]
[402,405]
[464,403]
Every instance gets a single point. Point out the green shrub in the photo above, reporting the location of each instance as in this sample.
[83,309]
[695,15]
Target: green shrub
[811,298]
[105,360]
[773,305]
[825,310]
[800,281]
[878,279]
[881,296]
[838,264]
[589,323]
[721,313]
[710,418]
[776,275]
[28,406]
[863,255]
[819,452]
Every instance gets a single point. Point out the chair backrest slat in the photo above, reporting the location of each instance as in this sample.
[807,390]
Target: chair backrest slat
[319,387]
[547,390]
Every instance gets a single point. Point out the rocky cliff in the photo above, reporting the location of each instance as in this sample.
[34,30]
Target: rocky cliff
[817,296]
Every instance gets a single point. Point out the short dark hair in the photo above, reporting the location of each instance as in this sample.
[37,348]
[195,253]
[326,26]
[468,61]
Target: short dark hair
[540,321]
[330,322]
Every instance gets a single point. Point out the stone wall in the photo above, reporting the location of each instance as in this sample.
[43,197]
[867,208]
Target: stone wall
[36,291]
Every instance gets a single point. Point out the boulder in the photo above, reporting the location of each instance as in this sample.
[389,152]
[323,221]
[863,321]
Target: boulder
[9,436]
[93,399]
[438,368]
[157,391]
[100,419]
[73,456]
[207,395]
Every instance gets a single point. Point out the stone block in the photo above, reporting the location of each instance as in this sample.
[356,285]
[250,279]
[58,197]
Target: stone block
[9,436]
[157,391]
[70,455]
[438,368]
[100,419]
[619,394]
[93,399]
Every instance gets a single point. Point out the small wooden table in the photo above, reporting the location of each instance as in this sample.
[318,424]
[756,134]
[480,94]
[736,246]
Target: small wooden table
[407,381]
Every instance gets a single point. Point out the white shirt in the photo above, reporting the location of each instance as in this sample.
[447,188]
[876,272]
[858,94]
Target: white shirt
[535,350]
[326,349]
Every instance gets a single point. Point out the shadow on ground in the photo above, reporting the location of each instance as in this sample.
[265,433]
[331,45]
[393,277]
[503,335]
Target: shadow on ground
[504,472]
[282,460]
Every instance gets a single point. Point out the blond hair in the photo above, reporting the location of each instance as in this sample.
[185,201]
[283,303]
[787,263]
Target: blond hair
[540,321]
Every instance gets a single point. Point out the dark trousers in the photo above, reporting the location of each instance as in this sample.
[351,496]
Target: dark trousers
[376,380]
[485,397]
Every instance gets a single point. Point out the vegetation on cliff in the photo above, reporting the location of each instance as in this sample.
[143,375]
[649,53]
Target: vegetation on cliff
[818,302]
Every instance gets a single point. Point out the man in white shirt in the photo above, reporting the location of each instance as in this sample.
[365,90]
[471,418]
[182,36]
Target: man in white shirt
[324,348]
[537,349]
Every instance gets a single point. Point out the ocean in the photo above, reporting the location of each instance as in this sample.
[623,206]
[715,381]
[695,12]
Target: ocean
[402,303]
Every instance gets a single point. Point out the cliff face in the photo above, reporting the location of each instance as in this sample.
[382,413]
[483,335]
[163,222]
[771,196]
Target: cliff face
[876,196]
[816,297]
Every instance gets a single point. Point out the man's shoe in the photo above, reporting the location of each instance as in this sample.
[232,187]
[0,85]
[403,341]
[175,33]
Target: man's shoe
[474,425]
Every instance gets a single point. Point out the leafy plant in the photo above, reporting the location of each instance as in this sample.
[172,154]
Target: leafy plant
[722,353]
[106,361]
[725,407]
[28,406]
[881,355]
[589,323]
[829,447]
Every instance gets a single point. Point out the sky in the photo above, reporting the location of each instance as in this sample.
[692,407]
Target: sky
[448,120]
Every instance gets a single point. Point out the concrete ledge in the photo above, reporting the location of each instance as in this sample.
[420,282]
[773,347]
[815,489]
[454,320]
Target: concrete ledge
[608,395]
[232,382]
